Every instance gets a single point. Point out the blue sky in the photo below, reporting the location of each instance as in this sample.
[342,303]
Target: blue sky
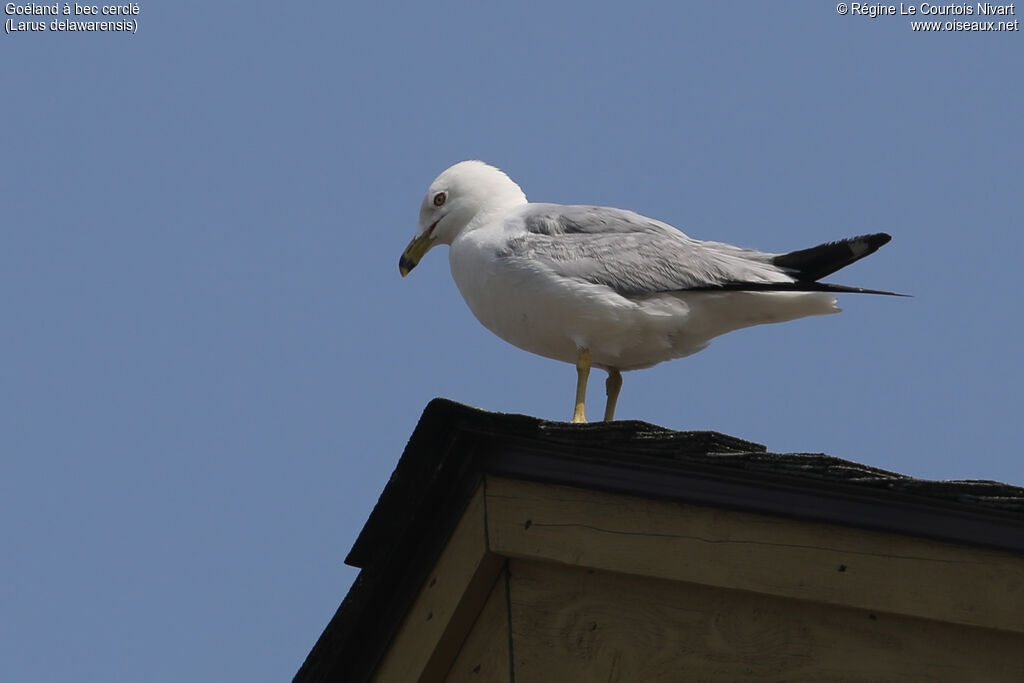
[212,365]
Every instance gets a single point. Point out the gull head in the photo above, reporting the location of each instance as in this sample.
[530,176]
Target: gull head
[467,190]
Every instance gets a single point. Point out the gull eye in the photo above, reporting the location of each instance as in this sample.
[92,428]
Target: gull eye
[439,198]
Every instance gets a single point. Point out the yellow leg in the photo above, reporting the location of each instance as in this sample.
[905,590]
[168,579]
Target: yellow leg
[611,387]
[582,372]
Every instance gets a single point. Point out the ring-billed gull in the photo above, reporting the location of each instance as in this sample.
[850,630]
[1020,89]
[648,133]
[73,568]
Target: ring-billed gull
[609,288]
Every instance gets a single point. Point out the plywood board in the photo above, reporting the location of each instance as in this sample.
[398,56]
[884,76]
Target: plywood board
[775,556]
[484,656]
[575,624]
[447,605]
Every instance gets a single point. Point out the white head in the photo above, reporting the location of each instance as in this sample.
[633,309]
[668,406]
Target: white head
[458,195]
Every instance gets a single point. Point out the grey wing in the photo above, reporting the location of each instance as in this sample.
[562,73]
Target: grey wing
[631,254]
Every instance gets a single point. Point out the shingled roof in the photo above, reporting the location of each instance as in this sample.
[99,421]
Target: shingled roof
[454,446]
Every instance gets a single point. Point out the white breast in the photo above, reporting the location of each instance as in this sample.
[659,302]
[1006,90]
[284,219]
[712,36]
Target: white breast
[553,316]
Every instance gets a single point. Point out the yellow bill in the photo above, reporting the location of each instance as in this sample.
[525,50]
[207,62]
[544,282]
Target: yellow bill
[414,252]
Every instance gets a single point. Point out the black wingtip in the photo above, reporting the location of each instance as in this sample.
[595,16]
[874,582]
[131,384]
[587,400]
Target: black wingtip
[809,265]
[826,287]
[792,287]
[873,242]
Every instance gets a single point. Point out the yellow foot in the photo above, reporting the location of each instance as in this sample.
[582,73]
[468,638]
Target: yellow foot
[612,386]
[582,372]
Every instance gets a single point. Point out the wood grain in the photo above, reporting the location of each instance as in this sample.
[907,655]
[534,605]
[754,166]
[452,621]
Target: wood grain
[435,627]
[771,555]
[485,657]
[575,624]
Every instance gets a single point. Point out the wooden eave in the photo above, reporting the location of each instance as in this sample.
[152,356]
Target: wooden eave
[475,488]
